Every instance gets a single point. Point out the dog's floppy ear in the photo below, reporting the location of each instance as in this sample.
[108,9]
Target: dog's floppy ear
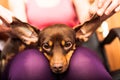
[84,31]
[25,32]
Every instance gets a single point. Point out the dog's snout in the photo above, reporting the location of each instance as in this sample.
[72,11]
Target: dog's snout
[57,67]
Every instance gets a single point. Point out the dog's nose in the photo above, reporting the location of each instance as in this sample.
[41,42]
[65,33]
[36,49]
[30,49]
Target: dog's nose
[57,67]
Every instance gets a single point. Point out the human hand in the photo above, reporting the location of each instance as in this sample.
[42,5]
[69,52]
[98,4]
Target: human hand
[108,6]
[7,15]
[105,8]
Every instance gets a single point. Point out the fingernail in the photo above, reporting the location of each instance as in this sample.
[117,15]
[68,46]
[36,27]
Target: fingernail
[99,12]
[107,12]
[117,9]
[10,20]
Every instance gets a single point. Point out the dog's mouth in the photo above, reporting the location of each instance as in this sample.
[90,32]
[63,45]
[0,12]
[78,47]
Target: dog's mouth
[58,68]
[60,64]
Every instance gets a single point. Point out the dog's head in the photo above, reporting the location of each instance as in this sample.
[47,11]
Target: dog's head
[57,42]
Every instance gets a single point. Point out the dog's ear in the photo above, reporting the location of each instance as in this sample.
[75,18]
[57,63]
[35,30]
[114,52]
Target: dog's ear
[84,31]
[25,32]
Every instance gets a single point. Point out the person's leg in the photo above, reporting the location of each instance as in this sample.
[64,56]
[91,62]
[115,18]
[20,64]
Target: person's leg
[29,65]
[85,65]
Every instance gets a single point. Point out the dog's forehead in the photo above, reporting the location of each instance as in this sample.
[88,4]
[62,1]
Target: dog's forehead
[58,28]
[58,31]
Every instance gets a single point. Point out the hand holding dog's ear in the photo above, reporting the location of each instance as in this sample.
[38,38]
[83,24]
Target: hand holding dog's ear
[108,6]
[103,9]
[84,31]
[27,33]
[16,28]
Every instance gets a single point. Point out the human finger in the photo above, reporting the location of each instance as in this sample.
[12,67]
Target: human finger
[112,6]
[100,3]
[6,14]
[117,9]
[1,22]
[102,10]
[94,7]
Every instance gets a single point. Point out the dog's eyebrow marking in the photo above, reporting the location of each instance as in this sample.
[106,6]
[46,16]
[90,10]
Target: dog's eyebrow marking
[47,56]
[40,49]
[63,42]
[50,43]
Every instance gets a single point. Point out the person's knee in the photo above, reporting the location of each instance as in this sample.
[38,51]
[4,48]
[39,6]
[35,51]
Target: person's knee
[30,58]
[29,64]
[84,57]
[85,65]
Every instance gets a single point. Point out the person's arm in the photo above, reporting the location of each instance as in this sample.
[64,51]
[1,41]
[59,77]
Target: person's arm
[82,8]
[18,9]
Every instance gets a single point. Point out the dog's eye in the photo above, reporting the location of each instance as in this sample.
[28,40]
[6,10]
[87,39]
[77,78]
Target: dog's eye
[46,47]
[68,45]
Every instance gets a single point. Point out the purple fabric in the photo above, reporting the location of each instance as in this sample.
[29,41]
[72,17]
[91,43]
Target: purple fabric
[86,65]
[32,65]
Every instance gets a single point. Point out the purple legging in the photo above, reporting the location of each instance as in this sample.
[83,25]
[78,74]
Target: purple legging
[32,65]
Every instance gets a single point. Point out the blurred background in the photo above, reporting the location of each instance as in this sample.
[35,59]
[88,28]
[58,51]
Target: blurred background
[112,50]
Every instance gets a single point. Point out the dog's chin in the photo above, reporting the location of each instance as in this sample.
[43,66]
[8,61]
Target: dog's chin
[60,71]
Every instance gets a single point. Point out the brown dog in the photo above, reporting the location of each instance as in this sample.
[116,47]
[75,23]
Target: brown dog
[57,42]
